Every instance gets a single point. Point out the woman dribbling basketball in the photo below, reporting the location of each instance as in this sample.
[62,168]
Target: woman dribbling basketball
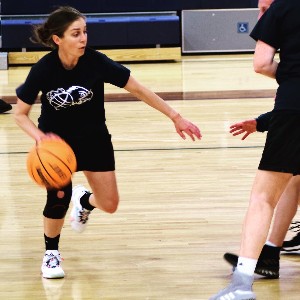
[71,81]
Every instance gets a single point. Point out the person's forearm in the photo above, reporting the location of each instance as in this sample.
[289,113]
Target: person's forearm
[29,127]
[268,70]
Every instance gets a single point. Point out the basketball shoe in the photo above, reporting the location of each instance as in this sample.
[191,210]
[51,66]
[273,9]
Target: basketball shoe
[293,244]
[4,107]
[51,267]
[240,288]
[79,215]
[267,264]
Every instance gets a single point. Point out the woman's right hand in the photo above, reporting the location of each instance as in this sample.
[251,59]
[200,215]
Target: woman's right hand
[48,136]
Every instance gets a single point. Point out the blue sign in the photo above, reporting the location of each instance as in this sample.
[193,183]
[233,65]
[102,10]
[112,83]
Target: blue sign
[242,27]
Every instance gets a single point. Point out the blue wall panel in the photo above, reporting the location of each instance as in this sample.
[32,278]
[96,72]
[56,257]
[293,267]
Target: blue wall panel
[104,32]
[15,7]
[18,17]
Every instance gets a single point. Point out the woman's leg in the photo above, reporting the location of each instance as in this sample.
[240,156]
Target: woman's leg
[105,191]
[53,227]
[55,210]
[104,195]
[285,211]
[54,215]
[266,191]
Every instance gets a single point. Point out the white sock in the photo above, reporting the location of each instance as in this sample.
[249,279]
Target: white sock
[268,243]
[246,265]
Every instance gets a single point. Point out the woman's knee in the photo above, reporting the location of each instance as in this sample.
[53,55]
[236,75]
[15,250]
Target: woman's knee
[262,200]
[104,189]
[58,202]
[109,205]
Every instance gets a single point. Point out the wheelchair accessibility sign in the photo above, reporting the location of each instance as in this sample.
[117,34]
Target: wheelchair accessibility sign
[242,27]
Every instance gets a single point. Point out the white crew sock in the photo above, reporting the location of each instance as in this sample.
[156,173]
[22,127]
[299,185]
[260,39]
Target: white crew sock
[246,265]
[268,243]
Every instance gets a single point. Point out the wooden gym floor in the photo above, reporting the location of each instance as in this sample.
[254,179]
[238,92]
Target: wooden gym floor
[182,202]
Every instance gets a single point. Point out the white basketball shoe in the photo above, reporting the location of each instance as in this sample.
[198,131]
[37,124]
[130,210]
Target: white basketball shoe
[79,215]
[51,267]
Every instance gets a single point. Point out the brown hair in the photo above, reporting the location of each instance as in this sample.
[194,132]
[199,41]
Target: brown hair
[56,24]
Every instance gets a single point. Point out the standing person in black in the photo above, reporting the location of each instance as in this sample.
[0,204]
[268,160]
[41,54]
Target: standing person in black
[278,28]
[269,260]
[71,81]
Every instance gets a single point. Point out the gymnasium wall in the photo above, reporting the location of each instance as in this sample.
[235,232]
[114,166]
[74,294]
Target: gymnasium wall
[111,23]
[33,7]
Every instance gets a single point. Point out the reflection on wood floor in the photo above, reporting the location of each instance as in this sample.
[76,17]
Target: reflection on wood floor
[182,202]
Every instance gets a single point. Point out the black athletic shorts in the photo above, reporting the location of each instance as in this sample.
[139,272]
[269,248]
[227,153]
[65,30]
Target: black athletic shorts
[94,151]
[282,149]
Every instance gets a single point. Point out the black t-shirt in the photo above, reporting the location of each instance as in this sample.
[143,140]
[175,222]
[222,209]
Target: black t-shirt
[279,27]
[263,121]
[72,100]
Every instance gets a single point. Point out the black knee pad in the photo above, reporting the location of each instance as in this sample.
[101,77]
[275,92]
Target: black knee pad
[58,202]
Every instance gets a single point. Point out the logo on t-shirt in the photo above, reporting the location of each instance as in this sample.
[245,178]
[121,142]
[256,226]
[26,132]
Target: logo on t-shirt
[75,95]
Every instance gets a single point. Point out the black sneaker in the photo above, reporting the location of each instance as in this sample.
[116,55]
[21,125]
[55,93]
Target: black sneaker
[294,243]
[4,107]
[267,264]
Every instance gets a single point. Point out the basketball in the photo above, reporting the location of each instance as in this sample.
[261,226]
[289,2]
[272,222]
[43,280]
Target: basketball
[51,163]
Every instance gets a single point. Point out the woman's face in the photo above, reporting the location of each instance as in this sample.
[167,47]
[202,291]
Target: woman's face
[74,39]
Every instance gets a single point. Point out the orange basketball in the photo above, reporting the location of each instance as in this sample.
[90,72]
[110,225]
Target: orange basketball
[51,163]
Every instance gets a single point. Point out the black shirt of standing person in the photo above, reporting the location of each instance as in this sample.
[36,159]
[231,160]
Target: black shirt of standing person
[279,27]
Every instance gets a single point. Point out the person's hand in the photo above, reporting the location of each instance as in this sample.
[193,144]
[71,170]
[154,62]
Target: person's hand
[184,126]
[246,127]
[48,136]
